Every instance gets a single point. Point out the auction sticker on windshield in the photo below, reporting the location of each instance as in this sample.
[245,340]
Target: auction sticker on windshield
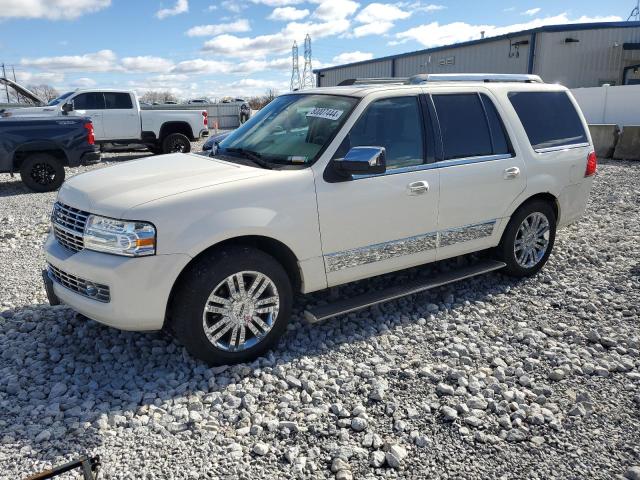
[326,113]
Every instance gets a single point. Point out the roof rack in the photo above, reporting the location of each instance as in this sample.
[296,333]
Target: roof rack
[373,81]
[473,77]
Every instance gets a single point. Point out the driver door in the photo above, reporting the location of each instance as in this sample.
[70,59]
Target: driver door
[375,224]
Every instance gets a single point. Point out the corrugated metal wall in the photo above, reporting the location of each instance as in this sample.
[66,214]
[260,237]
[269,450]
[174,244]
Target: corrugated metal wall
[488,57]
[373,69]
[592,61]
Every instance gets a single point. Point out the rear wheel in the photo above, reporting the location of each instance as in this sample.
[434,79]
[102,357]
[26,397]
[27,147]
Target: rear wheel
[528,239]
[176,143]
[232,306]
[42,172]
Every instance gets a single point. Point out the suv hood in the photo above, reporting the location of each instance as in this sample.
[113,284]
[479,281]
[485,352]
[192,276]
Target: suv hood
[114,190]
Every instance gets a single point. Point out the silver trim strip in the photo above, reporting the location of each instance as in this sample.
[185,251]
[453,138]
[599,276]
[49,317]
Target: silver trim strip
[561,147]
[356,257]
[454,162]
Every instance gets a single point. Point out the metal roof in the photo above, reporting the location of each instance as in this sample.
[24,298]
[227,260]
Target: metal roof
[570,27]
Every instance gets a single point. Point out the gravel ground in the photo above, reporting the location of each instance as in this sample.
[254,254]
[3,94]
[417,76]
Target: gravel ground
[489,378]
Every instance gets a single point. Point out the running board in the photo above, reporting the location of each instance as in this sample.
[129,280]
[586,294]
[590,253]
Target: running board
[341,307]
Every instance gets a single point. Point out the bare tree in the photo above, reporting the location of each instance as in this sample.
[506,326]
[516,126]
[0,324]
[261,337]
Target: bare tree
[258,102]
[153,96]
[46,92]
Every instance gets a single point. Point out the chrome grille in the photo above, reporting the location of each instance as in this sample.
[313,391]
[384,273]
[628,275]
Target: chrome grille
[88,289]
[68,226]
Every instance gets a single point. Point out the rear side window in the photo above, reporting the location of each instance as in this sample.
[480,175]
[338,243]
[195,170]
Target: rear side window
[549,118]
[89,101]
[499,138]
[463,124]
[120,101]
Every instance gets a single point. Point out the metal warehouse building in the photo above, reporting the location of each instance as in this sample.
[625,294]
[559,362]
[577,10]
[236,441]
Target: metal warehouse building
[575,55]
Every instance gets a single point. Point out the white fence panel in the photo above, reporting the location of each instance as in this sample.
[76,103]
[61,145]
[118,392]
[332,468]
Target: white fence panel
[609,105]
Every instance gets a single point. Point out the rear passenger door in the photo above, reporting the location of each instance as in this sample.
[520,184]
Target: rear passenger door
[91,104]
[121,118]
[480,174]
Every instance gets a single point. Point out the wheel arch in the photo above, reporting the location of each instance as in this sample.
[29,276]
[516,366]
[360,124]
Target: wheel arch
[278,250]
[168,128]
[545,197]
[50,148]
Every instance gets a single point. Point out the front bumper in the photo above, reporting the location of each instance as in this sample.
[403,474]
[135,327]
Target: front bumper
[139,287]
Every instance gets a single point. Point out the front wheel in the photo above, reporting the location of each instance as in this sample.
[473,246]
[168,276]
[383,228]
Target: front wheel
[176,143]
[42,172]
[528,239]
[232,306]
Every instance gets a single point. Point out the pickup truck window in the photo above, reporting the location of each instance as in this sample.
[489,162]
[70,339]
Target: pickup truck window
[89,101]
[117,101]
[549,118]
[62,97]
[292,129]
[392,123]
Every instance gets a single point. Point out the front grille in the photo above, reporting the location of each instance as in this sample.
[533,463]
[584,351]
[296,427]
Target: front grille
[88,289]
[68,226]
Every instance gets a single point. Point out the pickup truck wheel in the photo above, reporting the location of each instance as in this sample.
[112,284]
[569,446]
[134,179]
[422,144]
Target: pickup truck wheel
[232,306]
[176,143]
[528,239]
[42,172]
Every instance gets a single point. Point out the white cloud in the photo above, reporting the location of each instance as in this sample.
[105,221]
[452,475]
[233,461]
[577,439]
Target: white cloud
[241,25]
[83,82]
[375,28]
[200,66]
[532,11]
[277,3]
[431,8]
[233,6]
[378,18]
[51,9]
[181,6]
[102,61]
[288,14]
[350,57]
[37,78]
[330,10]
[434,34]
[254,83]
[146,64]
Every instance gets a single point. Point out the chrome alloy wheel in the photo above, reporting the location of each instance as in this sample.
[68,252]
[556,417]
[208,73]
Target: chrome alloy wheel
[241,311]
[532,240]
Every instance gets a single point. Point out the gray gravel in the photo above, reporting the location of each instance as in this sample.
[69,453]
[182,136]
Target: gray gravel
[490,378]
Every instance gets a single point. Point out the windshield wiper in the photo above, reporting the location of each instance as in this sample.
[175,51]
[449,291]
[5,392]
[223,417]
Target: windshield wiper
[253,156]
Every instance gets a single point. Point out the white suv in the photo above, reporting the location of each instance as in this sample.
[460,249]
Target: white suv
[320,188]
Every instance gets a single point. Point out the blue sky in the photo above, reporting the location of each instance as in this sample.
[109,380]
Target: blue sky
[216,48]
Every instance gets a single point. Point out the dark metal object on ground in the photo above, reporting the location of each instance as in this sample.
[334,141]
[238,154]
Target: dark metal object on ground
[89,466]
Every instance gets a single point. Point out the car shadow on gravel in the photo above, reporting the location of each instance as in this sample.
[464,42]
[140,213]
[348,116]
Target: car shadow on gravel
[12,186]
[64,379]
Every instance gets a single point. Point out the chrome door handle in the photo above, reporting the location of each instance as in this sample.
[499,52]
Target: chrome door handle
[418,188]
[511,173]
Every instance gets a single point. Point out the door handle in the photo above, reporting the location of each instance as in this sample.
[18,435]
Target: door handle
[418,188]
[511,173]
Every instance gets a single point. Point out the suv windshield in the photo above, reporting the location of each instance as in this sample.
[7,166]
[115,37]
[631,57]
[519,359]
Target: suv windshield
[291,130]
[56,101]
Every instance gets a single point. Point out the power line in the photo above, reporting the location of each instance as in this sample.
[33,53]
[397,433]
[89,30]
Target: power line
[635,13]
[295,71]
[308,80]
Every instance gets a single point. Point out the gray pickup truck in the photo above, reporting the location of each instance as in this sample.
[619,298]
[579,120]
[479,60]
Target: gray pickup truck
[40,147]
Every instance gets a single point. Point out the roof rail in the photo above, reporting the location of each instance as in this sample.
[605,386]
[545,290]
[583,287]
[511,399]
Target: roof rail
[373,81]
[473,77]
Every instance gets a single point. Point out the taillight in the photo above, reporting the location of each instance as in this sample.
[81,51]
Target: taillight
[592,165]
[205,118]
[91,139]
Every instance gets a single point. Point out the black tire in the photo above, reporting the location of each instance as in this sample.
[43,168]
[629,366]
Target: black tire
[506,249]
[202,280]
[42,172]
[176,143]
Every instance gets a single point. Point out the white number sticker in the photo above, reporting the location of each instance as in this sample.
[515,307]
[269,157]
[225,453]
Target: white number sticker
[326,113]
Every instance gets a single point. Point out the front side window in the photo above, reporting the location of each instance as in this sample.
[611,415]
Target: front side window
[89,101]
[392,123]
[292,129]
[549,118]
[118,101]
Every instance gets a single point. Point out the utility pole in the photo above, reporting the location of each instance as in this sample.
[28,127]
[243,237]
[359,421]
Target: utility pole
[6,88]
[635,13]
[13,69]
[308,81]
[295,71]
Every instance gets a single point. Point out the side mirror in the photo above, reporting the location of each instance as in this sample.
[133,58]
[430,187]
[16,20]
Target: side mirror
[362,161]
[67,107]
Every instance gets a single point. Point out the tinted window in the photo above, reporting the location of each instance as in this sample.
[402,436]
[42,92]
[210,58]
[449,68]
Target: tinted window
[114,100]
[89,101]
[465,132]
[549,118]
[498,134]
[392,123]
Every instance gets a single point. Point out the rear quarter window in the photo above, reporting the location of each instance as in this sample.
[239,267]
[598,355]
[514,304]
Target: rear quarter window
[549,119]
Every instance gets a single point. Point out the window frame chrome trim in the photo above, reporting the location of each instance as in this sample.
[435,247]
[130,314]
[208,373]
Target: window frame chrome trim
[562,147]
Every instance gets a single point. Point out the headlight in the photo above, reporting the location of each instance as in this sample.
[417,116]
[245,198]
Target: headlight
[132,239]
